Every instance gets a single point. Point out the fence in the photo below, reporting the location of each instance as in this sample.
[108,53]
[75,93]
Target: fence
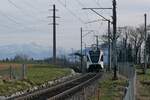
[13,72]
[127,70]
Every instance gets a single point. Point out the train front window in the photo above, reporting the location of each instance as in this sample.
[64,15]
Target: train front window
[94,55]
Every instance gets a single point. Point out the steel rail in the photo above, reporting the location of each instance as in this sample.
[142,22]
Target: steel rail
[53,92]
[68,93]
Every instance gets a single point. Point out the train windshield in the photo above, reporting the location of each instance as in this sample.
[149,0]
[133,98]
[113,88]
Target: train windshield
[94,55]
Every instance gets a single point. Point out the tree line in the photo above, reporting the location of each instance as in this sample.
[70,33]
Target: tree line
[130,44]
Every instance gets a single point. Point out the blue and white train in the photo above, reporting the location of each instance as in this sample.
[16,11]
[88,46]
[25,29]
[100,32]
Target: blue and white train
[94,60]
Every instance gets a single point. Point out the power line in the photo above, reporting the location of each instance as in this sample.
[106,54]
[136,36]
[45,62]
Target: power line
[31,6]
[96,1]
[5,26]
[81,4]
[88,18]
[93,9]
[20,9]
[13,4]
[13,20]
[98,4]
[10,19]
[72,13]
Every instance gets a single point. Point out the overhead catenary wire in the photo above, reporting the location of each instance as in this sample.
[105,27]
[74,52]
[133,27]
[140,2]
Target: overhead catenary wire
[31,6]
[34,8]
[13,4]
[21,9]
[88,18]
[71,12]
[13,20]
[6,16]
[97,2]
[5,26]
[80,3]
[86,13]
[16,6]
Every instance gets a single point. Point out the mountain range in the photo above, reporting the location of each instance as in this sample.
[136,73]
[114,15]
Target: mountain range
[32,50]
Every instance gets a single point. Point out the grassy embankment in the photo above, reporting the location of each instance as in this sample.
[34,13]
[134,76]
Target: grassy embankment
[36,75]
[143,85]
[111,89]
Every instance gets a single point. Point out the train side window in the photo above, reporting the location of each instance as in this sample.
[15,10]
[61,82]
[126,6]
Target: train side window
[102,58]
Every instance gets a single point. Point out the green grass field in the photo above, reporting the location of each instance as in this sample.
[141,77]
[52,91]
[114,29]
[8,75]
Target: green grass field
[143,85]
[41,74]
[111,89]
[36,75]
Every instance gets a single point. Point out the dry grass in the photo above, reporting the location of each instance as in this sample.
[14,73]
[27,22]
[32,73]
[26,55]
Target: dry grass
[143,85]
[5,65]
[112,89]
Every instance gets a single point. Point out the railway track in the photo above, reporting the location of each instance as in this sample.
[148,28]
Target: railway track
[61,91]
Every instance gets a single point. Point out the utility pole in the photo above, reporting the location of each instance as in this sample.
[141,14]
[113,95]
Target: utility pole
[126,38]
[54,31]
[81,30]
[145,55]
[114,40]
[54,34]
[109,49]
[85,56]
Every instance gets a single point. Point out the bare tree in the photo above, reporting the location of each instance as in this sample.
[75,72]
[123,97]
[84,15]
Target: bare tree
[105,37]
[136,38]
[148,47]
[130,35]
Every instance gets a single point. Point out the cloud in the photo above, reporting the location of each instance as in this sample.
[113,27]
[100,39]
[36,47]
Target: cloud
[33,22]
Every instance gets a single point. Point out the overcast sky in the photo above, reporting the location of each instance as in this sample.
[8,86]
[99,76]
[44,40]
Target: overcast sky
[25,21]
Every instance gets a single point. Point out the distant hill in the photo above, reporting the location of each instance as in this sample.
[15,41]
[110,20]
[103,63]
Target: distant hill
[32,50]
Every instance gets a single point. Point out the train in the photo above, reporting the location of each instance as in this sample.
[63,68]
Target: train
[95,60]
